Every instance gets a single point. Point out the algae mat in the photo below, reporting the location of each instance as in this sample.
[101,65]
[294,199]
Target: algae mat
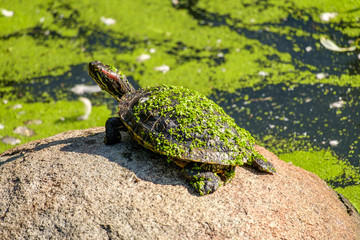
[262,61]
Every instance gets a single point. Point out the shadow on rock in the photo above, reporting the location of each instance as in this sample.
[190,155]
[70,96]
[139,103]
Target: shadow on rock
[146,165]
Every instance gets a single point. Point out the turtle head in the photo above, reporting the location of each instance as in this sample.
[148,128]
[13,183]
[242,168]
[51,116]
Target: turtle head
[110,79]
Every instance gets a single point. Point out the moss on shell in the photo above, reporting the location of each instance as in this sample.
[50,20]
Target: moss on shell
[200,124]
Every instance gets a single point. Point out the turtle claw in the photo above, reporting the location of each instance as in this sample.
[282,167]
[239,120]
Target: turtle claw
[112,131]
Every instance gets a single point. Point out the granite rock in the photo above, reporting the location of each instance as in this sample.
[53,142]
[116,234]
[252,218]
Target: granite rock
[72,186]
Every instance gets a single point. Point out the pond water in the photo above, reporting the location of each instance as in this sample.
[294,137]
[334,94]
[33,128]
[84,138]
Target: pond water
[327,116]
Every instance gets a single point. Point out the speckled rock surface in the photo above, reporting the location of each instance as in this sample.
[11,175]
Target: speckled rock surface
[72,186]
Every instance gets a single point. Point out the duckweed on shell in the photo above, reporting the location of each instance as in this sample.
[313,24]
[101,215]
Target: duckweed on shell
[185,124]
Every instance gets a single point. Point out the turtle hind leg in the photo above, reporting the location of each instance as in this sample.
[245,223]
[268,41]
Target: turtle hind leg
[203,182]
[113,127]
[261,164]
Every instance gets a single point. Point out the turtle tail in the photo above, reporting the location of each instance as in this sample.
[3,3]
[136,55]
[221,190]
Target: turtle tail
[260,163]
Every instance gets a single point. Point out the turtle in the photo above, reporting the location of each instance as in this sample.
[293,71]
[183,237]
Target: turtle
[182,124]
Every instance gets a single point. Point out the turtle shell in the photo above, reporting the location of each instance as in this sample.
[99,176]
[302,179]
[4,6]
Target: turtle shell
[185,125]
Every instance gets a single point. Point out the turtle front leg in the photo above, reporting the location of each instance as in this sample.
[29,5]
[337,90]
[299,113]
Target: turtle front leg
[113,127]
[203,182]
